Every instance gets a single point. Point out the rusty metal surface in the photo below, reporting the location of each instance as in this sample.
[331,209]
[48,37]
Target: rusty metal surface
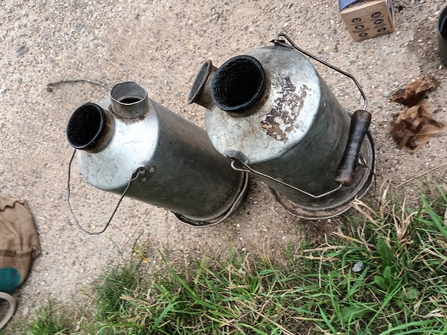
[266,131]
[287,106]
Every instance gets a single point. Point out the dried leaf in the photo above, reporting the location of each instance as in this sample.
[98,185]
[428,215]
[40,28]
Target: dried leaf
[414,92]
[415,127]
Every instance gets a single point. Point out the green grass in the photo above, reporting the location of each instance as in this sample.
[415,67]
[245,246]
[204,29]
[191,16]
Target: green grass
[402,290]
[49,320]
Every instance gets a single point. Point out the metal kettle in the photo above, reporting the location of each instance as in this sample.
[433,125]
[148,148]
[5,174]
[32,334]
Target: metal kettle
[138,148]
[271,114]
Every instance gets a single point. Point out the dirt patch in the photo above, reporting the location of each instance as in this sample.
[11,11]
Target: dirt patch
[423,40]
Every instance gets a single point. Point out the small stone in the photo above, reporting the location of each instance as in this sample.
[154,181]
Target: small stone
[21,50]
[358,267]
[17,79]
[25,311]
[387,94]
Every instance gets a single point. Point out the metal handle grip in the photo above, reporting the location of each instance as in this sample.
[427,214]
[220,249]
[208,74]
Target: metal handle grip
[360,122]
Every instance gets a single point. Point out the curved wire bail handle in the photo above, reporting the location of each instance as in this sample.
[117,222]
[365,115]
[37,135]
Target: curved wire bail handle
[135,174]
[281,42]
[247,168]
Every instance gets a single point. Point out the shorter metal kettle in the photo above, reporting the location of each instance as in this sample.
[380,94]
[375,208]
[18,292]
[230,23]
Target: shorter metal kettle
[271,114]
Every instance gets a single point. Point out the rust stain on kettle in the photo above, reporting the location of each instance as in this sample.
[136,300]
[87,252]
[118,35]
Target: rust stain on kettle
[286,108]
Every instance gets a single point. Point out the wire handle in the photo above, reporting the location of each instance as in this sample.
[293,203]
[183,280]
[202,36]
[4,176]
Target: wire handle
[281,42]
[135,174]
[246,168]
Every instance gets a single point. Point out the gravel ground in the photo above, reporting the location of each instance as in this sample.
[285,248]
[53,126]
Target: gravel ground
[161,45]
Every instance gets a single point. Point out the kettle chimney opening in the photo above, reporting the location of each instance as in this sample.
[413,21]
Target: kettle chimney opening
[238,84]
[86,126]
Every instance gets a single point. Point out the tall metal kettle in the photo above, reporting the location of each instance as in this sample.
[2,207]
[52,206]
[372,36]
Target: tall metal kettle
[140,149]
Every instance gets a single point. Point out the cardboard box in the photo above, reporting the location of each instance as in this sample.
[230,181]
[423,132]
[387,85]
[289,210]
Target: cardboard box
[366,19]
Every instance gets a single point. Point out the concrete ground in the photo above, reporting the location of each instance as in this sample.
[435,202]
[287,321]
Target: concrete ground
[161,45]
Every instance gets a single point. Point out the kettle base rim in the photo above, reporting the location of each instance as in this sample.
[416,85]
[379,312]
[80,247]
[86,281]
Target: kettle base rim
[207,222]
[321,212]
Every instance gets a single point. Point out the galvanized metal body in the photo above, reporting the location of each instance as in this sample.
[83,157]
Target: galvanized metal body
[295,132]
[180,170]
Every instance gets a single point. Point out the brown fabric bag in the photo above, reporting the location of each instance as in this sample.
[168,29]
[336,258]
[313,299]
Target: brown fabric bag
[19,243]
[19,246]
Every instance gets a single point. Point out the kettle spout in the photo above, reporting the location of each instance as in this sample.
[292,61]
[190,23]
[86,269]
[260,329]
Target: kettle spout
[235,87]
[200,92]
[129,100]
